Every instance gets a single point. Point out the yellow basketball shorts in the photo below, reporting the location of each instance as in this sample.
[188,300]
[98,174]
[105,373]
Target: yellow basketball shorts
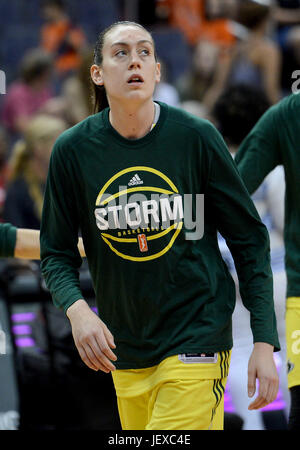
[183,392]
[292,320]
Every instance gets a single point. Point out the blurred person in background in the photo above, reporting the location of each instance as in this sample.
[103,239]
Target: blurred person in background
[287,12]
[286,15]
[165,91]
[27,95]
[235,114]
[3,168]
[200,19]
[255,60]
[61,38]
[28,169]
[194,84]
[77,91]
[291,60]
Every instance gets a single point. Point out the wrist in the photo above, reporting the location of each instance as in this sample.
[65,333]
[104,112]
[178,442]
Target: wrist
[77,306]
[264,346]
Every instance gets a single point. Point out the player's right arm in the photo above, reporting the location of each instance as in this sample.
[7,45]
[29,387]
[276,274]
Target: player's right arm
[60,261]
[92,338]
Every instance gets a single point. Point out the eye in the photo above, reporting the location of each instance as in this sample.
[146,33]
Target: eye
[120,53]
[145,51]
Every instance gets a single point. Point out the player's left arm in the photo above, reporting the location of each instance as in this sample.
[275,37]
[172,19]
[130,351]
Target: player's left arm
[262,367]
[231,208]
[260,151]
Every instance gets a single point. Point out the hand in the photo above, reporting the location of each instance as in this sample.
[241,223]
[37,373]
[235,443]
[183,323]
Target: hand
[92,338]
[261,365]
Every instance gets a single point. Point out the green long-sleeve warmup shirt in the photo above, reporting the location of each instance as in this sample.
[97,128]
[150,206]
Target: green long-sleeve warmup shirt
[8,237]
[159,290]
[275,140]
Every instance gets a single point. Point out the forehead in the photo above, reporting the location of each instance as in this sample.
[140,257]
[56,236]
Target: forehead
[126,33]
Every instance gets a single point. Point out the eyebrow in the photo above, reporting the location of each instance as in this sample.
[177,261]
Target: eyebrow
[143,41]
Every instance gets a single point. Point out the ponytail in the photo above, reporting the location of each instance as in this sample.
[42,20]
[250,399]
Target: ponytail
[99,98]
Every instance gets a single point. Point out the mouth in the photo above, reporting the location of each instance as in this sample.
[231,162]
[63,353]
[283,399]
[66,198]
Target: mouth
[135,80]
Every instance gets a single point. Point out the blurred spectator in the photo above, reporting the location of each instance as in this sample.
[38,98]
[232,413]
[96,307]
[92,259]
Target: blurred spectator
[77,91]
[61,38]
[255,60]
[199,19]
[165,91]
[194,84]
[286,14]
[27,95]
[3,168]
[194,107]
[28,168]
[291,59]
[235,113]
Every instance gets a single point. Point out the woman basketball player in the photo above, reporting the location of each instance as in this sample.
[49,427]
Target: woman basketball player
[131,179]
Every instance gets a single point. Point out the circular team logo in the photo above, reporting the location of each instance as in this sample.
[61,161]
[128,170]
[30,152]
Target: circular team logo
[139,213]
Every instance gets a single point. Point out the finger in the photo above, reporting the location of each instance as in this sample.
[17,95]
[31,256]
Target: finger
[262,395]
[99,350]
[268,390]
[104,347]
[251,383]
[86,359]
[266,396]
[90,351]
[274,386]
[263,389]
[109,337]
[258,403]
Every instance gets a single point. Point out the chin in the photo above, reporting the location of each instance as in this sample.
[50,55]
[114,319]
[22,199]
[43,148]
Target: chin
[138,95]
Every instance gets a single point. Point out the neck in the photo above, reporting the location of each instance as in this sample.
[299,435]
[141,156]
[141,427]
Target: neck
[132,122]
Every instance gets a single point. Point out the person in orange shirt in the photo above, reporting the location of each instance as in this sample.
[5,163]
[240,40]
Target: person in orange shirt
[199,19]
[61,38]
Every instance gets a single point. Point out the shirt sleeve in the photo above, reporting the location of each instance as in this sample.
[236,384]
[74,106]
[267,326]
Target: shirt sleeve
[60,258]
[259,153]
[232,210]
[8,237]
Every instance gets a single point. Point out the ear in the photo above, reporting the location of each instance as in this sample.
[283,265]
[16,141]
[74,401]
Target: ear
[96,75]
[157,73]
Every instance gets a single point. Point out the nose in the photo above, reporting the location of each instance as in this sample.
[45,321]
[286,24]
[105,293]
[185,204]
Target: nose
[135,61]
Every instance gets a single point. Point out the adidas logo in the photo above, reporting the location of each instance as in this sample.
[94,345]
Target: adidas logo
[135,181]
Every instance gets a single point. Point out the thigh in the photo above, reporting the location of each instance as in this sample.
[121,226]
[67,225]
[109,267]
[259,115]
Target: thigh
[134,411]
[293,340]
[187,405]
